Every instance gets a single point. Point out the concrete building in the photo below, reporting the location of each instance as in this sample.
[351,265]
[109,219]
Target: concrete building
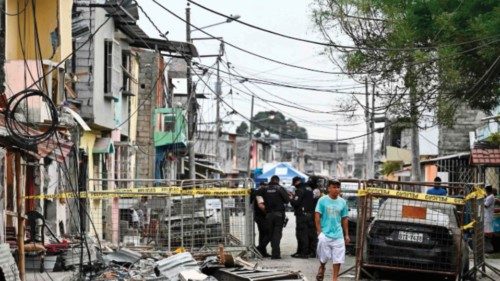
[456,139]
[259,150]
[211,165]
[321,157]
[34,60]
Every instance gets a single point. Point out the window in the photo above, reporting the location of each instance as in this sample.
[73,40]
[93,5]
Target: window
[168,122]
[108,65]
[126,71]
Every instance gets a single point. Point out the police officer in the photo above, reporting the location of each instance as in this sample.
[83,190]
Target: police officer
[275,197]
[260,217]
[303,203]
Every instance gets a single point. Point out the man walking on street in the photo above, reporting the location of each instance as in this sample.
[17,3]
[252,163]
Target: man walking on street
[275,197]
[303,204]
[331,226]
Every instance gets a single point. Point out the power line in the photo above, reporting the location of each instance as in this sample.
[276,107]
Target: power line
[279,84]
[244,50]
[223,101]
[324,44]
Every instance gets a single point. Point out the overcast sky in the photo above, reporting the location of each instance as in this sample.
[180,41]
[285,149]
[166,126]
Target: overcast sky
[283,16]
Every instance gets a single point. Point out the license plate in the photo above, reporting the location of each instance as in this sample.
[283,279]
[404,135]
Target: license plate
[410,236]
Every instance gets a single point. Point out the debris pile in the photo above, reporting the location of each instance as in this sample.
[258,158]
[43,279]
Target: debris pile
[142,263]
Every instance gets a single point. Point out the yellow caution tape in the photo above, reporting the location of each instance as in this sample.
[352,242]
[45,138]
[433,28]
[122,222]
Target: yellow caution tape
[411,195]
[469,225]
[146,191]
[478,193]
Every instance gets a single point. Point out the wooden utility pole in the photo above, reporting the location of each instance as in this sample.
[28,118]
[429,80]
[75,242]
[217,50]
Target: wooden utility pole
[369,161]
[218,93]
[372,133]
[20,217]
[250,140]
[191,101]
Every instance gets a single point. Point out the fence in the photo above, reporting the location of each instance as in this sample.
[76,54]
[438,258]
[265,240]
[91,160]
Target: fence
[400,228]
[194,215]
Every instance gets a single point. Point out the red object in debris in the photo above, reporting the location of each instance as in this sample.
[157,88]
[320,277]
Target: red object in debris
[57,248]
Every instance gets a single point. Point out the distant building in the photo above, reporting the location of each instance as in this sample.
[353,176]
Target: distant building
[322,157]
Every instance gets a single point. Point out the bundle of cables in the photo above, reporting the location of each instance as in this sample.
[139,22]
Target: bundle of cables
[20,132]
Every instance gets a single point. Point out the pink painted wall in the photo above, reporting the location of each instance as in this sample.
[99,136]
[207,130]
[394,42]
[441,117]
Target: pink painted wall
[17,80]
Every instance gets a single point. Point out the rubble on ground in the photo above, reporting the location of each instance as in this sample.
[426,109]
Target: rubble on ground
[102,262]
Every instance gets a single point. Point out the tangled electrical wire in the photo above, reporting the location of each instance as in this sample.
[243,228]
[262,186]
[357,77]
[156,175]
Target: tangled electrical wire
[21,133]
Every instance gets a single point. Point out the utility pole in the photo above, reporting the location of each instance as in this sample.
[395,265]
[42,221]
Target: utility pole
[250,138]
[415,148]
[281,143]
[372,134]
[191,101]
[369,161]
[337,149]
[218,121]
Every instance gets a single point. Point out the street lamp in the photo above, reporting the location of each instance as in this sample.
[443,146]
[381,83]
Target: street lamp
[192,95]
[228,20]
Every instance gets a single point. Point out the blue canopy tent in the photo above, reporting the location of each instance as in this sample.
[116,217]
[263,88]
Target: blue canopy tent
[283,170]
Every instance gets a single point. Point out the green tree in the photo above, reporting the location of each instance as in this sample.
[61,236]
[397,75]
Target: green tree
[440,53]
[242,129]
[425,56]
[275,122]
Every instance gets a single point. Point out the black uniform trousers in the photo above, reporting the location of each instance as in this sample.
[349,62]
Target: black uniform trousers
[261,227]
[306,234]
[274,225]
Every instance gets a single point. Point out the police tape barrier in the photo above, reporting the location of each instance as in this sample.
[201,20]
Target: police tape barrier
[146,191]
[477,193]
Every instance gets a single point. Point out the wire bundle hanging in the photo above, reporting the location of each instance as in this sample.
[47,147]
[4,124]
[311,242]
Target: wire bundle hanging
[21,133]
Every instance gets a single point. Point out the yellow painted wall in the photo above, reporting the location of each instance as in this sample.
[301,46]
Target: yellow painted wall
[20,30]
[87,142]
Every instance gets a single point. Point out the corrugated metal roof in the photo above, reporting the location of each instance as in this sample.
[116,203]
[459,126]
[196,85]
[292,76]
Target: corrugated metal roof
[172,266]
[8,264]
[125,18]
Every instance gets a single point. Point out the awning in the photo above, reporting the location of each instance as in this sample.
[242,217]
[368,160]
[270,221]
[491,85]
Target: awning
[162,45]
[488,156]
[57,144]
[446,157]
[103,145]
[125,18]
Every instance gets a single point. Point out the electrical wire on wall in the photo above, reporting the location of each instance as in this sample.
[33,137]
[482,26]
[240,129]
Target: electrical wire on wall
[20,133]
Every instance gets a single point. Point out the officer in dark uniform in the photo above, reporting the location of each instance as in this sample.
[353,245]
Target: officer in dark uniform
[303,203]
[275,197]
[259,216]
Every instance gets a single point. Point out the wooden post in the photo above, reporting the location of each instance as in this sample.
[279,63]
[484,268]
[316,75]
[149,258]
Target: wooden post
[20,217]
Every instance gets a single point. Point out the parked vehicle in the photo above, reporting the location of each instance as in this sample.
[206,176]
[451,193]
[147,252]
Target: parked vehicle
[353,201]
[409,234]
